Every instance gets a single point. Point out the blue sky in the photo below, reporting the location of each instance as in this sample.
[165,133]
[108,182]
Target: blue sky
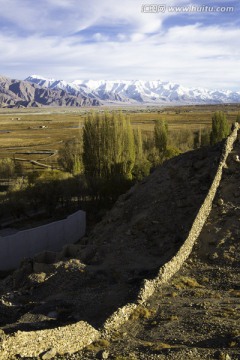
[103,39]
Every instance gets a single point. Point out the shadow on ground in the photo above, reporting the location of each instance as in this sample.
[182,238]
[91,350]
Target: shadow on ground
[105,271]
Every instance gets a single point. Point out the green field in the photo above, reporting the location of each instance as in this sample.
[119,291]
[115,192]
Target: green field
[37,134]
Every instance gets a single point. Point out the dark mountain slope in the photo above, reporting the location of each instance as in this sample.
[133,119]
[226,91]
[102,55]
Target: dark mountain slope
[17,93]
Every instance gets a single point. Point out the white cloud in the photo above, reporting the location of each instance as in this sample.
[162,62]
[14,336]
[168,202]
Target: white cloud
[41,40]
[191,55]
[58,17]
[100,37]
[137,37]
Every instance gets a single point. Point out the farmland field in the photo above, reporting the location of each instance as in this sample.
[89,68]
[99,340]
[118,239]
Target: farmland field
[37,134]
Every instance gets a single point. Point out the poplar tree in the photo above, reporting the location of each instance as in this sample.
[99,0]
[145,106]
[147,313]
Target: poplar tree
[220,127]
[91,145]
[142,165]
[7,168]
[161,136]
[70,156]
[138,144]
[108,146]
[238,118]
[128,155]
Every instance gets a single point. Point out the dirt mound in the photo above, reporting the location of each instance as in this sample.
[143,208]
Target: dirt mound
[143,230]
[105,271]
[150,222]
[197,314]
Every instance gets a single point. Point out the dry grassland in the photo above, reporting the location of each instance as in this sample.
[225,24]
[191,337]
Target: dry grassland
[25,131]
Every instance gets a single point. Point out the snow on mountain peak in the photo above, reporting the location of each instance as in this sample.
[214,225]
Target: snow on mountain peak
[39,77]
[135,91]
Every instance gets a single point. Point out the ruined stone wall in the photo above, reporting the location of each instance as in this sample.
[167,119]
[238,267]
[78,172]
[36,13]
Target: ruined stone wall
[171,267]
[51,237]
[45,344]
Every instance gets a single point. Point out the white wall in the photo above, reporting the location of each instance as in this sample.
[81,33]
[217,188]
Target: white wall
[52,237]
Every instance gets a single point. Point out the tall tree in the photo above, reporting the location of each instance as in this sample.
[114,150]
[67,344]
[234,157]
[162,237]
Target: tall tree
[128,155]
[161,136]
[70,156]
[138,144]
[108,146]
[238,118]
[142,165]
[220,127]
[7,168]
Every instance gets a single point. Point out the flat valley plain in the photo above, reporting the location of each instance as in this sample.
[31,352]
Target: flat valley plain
[38,133]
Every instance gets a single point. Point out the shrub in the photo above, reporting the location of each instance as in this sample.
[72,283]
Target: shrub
[141,313]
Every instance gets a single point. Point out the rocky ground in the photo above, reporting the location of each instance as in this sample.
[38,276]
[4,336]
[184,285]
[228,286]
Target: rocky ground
[195,316]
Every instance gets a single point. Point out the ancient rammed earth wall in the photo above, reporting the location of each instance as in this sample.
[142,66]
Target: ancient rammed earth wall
[171,267]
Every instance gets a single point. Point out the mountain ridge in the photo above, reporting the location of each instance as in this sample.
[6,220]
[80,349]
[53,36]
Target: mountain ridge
[138,91]
[18,93]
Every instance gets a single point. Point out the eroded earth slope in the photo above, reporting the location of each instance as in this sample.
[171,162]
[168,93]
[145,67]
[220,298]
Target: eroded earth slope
[195,316]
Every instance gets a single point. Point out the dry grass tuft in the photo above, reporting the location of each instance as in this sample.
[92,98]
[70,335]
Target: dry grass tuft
[122,357]
[186,282]
[173,294]
[141,313]
[161,346]
[158,345]
[235,293]
[98,345]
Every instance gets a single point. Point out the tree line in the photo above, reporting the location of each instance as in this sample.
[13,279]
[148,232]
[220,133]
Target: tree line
[112,155]
[102,163]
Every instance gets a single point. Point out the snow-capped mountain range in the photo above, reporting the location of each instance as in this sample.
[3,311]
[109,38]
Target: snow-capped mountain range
[17,93]
[137,91]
